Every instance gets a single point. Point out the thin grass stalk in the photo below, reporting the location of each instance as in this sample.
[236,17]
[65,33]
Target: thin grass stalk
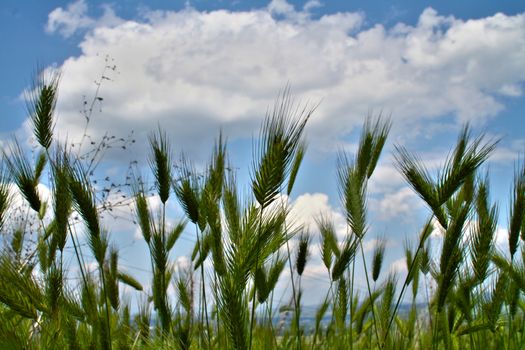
[88,113]
[351,314]
[381,344]
[204,303]
[252,315]
[104,287]
[291,276]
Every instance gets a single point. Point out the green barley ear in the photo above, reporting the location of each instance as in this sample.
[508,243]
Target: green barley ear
[5,194]
[210,207]
[386,303]
[458,171]
[62,202]
[513,297]
[41,102]
[88,298]
[413,262]
[378,257]
[183,293]
[231,205]
[111,275]
[352,190]
[516,273]
[517,210]
[271,235]
[452,253]
[482,240]
[425,262]
[17,242]
[466,158]
[203,251]
[188,193]
[341,309]
[329,244]
[44,258]
[265,281]
[160,163]
[161,276]
[24,175]
[418,177]
[343,260]
[492,304]
[379,131]
[261,285]
[174,234]
[279,143]
[296,164]
[129,280]
[142,210]
[353,176]
[84,202]
[216,169]
[71,303]
[40,164]
[20,292]
[143,320]
[275,271]
[409,256]
[54,289]
[71,334]
[365,307]
[302,252]
[371,143]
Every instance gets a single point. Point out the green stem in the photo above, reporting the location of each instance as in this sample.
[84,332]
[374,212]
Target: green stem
[252,316]
[107,304]
[204,303]
[370,296]
[293,283]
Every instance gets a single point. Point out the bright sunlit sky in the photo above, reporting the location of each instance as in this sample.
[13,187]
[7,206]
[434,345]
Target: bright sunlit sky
[197,67]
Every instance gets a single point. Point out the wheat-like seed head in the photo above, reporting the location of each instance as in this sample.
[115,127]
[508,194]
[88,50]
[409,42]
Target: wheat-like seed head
[41,101]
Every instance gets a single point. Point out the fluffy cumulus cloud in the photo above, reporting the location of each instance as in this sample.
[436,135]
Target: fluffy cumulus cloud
[195,72]
[402,203]
[74,18]
[308,208]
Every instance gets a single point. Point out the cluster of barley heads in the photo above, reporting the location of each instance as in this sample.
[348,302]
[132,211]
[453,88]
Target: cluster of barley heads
[462,291]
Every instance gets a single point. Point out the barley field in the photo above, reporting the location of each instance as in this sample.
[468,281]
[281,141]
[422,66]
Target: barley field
[245,245]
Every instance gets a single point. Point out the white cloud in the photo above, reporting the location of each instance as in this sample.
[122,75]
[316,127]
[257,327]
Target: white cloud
[371,244]
[510,153]
[182,264]
[281,7]
[437,230]
[385,178]
[194,72]
[512,90]
[75,18]
[399,266]
[312,4]
[401,203]
[309,207]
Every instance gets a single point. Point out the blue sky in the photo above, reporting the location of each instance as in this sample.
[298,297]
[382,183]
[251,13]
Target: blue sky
[199,66]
